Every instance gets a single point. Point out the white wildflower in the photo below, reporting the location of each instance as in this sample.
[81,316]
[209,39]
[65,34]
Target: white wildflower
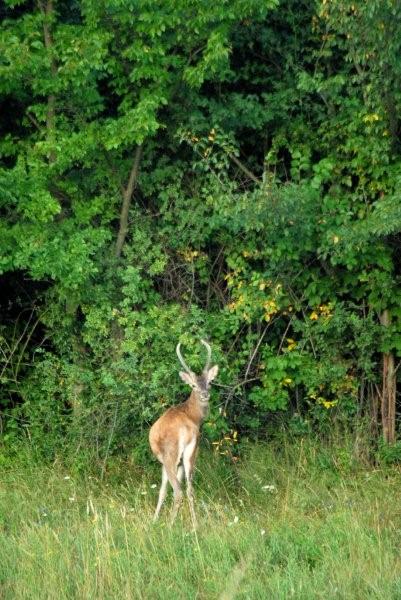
[269,488]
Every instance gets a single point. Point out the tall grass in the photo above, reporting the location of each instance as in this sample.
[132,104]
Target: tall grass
[292,521]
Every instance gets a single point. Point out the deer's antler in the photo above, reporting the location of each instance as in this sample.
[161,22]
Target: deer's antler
[180,358]
[209,355]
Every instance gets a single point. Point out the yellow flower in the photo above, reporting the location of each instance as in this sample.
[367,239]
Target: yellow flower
[291,344]
[326,310]
[314,316]
[270,305]
[189,254]
[371,118]
[329,403]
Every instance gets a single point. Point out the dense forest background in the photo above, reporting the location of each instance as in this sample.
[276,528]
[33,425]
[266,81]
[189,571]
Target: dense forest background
[171,170]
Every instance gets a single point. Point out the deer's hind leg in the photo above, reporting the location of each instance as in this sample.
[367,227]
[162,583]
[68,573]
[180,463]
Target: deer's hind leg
[174,474]
[189,457]
[162,493]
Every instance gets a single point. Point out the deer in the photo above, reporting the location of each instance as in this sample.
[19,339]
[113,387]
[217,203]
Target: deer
[174,437]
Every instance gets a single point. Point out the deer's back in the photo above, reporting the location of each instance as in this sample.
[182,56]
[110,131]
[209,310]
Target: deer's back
[172,432]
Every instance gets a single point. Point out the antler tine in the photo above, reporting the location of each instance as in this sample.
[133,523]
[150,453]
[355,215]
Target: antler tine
[209,355]
[180,358]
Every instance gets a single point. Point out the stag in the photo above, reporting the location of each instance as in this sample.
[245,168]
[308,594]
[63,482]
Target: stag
[174,437]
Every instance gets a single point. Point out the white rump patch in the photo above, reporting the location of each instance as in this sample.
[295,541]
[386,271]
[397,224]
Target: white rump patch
[181,443]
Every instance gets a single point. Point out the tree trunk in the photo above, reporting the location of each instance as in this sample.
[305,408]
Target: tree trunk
[388,389]
[47,11]
[127,195]
[374,397]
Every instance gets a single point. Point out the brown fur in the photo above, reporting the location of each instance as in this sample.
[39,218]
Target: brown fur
[174,437]
[178,424]
[163,435]
[188,415]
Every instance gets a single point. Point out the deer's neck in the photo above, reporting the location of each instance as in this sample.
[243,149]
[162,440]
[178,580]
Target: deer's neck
[195,409]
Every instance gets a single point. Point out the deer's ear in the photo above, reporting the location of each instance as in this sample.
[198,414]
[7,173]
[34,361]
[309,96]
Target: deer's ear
[212,373]
[187,378]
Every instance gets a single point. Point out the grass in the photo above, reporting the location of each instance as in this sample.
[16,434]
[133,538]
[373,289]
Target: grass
[292,521]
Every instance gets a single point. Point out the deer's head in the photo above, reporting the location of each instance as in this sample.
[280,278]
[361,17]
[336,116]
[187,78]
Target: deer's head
[199,383]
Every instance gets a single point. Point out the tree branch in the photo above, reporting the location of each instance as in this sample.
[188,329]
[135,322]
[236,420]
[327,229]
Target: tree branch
[255,350]
[243,168]
[34,121]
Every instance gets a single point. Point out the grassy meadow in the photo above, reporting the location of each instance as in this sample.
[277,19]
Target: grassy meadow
[291,520]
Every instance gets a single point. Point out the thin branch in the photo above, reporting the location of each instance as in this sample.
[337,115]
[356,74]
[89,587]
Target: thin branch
[24,346]
[255,351]
[123,230]
[16,343]
[245,380]
[284,334]
[192,285]
[237,385]
[243,168]
[34,121]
